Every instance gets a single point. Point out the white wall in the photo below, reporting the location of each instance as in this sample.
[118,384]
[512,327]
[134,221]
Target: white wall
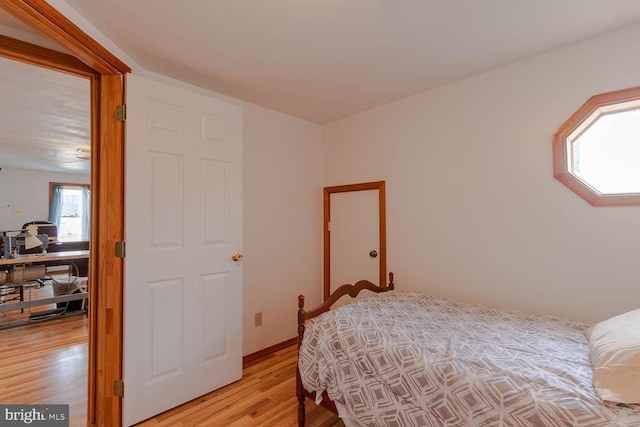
[282,223]
[473,209]
[27,194]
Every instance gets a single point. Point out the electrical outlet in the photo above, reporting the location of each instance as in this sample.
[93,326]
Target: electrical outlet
[258,319]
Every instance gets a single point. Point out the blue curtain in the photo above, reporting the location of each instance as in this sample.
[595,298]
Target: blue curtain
[55,210]
[86,213]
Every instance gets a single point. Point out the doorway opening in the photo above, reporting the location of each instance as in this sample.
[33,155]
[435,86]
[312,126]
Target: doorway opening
[106,73]
[47,125]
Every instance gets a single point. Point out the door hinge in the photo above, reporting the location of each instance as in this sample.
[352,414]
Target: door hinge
[118,388]
[121,112]
[120,249]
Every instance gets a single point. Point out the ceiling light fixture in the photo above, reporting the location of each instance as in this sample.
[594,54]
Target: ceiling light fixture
[84,153]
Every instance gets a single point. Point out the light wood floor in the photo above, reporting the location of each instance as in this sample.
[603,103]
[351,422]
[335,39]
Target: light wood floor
[46,363]
[264,397]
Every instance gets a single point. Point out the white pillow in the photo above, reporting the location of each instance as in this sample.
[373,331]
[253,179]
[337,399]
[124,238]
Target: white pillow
[615,355]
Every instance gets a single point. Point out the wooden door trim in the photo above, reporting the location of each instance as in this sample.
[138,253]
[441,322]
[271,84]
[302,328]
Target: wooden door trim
[41,16]
[107,182]
[36,55]
[382,228]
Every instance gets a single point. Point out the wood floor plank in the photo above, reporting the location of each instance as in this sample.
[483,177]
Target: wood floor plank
[46,362]
[265,396]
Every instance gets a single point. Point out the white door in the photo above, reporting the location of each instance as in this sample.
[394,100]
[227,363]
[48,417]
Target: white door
[183,292]
[355,232]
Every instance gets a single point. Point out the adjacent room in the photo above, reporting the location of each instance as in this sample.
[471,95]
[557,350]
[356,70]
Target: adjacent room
[45,160]
[45,222]
[252,158]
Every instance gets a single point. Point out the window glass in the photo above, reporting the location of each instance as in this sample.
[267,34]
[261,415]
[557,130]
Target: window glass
[596,152]
[70,209]
[607,154]
[70,227]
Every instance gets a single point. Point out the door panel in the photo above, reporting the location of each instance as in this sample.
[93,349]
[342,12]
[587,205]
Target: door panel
[354,233]
[183,293]
[166,186]
[352,229]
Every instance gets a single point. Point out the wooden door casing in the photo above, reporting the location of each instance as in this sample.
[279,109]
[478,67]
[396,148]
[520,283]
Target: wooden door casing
[376,185]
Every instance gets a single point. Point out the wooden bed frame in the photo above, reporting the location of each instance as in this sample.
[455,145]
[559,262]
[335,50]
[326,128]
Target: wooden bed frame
[303,316]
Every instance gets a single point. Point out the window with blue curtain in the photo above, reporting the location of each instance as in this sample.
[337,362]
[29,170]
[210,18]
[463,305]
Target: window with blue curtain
[70,211]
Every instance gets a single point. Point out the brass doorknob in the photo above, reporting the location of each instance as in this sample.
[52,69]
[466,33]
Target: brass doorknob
[236,257]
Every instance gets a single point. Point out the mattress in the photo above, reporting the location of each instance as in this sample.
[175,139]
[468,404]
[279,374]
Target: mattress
[407,359]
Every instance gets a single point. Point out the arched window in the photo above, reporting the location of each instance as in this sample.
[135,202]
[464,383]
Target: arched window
[596,152]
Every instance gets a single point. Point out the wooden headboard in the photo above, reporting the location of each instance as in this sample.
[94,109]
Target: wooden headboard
[303,316]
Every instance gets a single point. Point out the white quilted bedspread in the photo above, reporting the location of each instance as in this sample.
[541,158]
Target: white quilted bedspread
[408,359]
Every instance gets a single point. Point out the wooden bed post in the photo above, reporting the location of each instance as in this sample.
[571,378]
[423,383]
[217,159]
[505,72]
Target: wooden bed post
[299,391]
[303,316]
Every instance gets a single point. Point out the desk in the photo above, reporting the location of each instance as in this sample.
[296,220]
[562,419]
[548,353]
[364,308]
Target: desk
[37,259]
[40,258]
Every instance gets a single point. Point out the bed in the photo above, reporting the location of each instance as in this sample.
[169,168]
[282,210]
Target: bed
[400,358]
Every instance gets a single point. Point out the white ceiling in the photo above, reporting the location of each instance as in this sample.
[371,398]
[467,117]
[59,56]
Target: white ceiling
[44,115]
[322,60]
[45,119]
[319,60]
